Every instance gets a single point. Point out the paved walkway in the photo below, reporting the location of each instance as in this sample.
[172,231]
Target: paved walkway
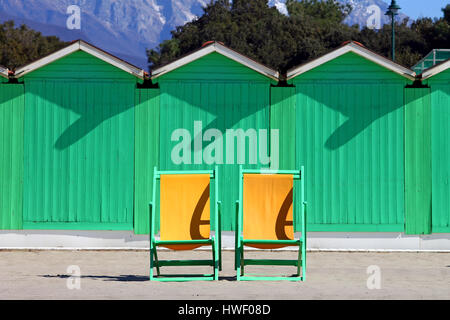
[124,275]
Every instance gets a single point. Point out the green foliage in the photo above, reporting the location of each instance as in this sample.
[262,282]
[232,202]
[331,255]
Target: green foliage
[446,12]
[312,28]
[21,45]
[325,11]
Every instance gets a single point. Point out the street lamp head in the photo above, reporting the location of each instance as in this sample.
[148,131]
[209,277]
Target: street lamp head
[393,9]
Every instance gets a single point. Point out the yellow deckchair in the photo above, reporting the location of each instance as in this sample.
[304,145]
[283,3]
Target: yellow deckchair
[184,211]
[264,215]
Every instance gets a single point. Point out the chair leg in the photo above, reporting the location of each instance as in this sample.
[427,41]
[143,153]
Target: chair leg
[238,262]
[151,264]
[216,261]
[156,261]
[236,259]
[236,239]
[220,252]
[219,239]
[242,260]
[303,261]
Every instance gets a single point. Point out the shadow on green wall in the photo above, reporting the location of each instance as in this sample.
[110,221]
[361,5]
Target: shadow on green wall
[227,108]
[361,108]
[87,122]
[94,103]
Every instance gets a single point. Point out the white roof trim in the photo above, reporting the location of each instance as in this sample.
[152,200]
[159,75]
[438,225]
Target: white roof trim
[4,72]
[359,50]
[227,52]
[431,72]
[81,46]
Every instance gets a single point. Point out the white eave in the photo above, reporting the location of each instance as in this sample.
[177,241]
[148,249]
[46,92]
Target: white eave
[359,50]
[431,72]
[223,50]
[3,72]
[81,45]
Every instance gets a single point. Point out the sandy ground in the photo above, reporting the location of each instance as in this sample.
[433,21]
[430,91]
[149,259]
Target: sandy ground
[124,275]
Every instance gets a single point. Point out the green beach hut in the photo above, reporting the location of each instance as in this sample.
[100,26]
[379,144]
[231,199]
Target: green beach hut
[350,132]
[438,80]
[75,170]
[203,96]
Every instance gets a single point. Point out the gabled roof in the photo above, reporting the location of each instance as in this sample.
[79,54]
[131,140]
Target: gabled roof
[3,72]
[81,45]
[436,69]
[223,50]
[357,49]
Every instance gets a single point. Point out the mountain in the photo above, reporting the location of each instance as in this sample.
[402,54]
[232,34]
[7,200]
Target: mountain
[361,11]
[127,28]
[123,27]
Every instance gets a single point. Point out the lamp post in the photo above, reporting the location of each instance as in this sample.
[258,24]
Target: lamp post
[392,12]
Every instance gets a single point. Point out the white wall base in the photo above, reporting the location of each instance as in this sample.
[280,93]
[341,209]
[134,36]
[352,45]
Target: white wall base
[317,241]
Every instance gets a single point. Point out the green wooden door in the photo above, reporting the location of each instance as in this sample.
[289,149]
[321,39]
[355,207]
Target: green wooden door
[350,140]
[146,154]
[11,156]
[79,155]
[417,161]
[282,118]
[440,150]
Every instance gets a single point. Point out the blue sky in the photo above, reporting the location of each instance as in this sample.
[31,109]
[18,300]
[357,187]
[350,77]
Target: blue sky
[421,8]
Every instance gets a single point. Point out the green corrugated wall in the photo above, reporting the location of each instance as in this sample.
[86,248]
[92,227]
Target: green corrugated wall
[79,155]
[79,146]
[349,137]
[146,154]
[11,155]
[440,151]
[282,118]
[214,67]
[417,161]
[82,66]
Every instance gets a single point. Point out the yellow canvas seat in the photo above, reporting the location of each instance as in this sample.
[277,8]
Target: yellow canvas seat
[268,210]
[185,209]
[265,219]
[184,212]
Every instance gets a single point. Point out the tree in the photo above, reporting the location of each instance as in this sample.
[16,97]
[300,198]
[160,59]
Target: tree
[19,46]
[312,28]
[446,12]
[261,32]
[323,11]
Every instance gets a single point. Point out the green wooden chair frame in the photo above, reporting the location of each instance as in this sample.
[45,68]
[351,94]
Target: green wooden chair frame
[214,241]
[240,242]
